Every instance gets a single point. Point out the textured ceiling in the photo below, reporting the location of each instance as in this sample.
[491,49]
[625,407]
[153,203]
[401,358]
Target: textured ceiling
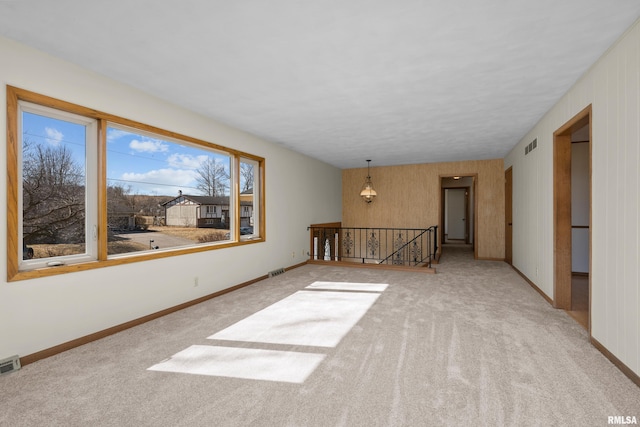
[398,82]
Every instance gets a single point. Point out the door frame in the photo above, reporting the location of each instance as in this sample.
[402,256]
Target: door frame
[562,253]
[474,243]
[508,215]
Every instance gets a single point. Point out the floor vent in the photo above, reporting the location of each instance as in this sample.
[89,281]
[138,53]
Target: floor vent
[276,272]
[9,365]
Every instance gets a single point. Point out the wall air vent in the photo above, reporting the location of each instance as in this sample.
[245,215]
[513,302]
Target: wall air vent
[9,365]
[531,146]
[276,272]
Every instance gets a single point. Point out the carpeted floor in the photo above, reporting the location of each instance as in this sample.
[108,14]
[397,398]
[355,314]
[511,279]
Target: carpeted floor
[471,345]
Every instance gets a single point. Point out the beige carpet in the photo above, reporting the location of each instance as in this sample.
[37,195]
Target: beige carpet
[471,345]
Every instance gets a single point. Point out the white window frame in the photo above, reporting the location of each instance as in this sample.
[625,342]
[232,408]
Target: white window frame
[257,177]
[91,184]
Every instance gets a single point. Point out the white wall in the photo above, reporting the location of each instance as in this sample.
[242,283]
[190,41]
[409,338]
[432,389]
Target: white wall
[612,86]
[41,313]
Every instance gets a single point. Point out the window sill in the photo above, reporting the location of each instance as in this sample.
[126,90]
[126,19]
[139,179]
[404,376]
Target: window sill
[121,260]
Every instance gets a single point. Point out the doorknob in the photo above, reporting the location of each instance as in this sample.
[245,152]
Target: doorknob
[510,223]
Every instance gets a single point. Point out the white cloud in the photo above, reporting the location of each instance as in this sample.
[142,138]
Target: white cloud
[113,134]
[149,146]
[161,181]
[54,136]
[186,161]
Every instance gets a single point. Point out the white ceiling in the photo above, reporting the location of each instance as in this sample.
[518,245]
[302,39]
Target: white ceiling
[398,82]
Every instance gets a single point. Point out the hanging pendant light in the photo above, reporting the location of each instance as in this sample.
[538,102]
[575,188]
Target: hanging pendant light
[368,193]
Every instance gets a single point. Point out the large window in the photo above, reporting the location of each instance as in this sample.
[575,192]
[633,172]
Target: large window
[163,193]
[94,190]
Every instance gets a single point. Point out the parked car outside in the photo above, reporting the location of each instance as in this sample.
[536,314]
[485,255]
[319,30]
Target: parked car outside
[243,232]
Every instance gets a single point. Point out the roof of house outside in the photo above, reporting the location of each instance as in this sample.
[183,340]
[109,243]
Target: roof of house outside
[207,200]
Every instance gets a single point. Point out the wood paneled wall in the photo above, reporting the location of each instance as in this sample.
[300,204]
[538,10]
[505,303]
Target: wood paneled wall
[410,196]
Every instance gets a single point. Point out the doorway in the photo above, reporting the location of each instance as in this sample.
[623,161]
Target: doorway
[458,212]
[572,161]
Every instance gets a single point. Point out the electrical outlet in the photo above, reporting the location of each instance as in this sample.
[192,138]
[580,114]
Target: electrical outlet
[293,254]
[195,281]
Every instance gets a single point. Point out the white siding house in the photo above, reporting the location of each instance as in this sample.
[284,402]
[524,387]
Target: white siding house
[204,211]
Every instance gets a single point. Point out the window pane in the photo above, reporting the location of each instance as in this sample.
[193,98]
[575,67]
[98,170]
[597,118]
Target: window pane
[53,187]
[164,194]
[248,198]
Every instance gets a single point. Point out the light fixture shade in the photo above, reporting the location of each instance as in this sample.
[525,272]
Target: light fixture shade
[368,193]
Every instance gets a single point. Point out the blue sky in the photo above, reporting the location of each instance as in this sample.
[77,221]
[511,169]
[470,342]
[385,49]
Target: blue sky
[154,166]
[44,130]
[148,165]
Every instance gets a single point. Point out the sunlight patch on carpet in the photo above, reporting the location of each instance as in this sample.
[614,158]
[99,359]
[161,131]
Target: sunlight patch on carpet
[246,363]
[349,286]
[310,318]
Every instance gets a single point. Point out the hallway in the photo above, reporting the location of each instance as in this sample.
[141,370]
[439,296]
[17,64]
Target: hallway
[580,299]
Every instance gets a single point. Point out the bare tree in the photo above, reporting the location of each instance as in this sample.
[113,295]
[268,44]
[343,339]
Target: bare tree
[119,206]
[246,176]
[53,195]
[213,178]
[123,204]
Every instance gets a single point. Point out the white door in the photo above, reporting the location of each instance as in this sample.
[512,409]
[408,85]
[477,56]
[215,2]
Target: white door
[456,216]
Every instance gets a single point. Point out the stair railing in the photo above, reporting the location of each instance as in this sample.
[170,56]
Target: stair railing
[397,246]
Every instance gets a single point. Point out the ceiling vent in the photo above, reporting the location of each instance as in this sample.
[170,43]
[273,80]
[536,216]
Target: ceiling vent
[9,365]
[531,146]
